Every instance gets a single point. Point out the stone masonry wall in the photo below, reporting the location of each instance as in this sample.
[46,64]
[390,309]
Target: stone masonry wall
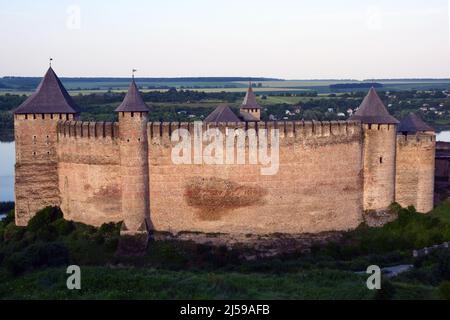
[318,186]
[36,177]
[379,166]
[134,170]
[415,171]
[89,171]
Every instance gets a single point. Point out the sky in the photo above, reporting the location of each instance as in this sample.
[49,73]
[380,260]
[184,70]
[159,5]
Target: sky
[289,39]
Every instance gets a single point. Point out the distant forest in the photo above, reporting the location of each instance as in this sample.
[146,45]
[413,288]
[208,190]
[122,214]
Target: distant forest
[362,85]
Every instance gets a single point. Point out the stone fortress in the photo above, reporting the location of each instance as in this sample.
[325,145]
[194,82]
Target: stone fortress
[330,173]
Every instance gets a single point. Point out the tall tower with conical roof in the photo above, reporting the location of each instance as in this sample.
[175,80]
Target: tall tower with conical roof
[250,109]
[133,119]
[379,152]
[35,126]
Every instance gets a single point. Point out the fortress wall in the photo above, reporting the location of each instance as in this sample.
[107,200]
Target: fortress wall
[443,160]
[379,165]
[318,186]
[415,171]
[89,171]
[442,169]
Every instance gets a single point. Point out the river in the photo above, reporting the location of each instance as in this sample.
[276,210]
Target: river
[7,160]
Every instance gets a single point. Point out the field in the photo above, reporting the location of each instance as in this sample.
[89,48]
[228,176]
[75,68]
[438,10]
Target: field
[101,85]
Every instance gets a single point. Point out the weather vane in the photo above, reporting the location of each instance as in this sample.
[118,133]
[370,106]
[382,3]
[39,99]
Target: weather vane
[50,61]
[133,72]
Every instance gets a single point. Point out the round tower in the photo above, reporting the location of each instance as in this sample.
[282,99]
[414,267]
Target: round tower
[379,152]
[416,148]
[35,130]
[133,118]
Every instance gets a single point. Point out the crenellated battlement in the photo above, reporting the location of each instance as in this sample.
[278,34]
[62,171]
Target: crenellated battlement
[89,130]
[288,129]
[164,130]
[417,137]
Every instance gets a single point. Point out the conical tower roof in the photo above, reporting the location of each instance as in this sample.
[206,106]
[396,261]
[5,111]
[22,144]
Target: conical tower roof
[222,113]
[133,101]
[373,111]
[250,100]
[49,97]
[413,123]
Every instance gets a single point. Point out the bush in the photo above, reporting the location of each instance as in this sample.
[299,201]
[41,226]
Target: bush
[13,232]
[63,227]
[387,291]
[444,290]
[36,256]
[444,266]
[44,218]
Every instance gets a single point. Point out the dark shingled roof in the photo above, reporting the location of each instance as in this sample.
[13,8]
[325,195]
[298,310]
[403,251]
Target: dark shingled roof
[49,97]
[133,101]
[373,111]
[222,113]
[250,100]
[413,123]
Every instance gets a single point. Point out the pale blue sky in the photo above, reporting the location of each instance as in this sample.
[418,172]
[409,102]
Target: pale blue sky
[293,39]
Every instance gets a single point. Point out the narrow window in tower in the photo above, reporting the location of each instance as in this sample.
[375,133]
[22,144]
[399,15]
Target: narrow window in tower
[370,126]
[34,116]
[60,116]
[132,114]
[43,116]
[381,160]
[379,127]
[26,117]
[51,116]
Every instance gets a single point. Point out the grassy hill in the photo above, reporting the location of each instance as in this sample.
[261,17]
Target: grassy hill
[33,263]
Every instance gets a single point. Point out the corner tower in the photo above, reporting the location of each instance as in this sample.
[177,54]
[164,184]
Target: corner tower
[250,109]
[416,148]
[133,119]
[35,129]
[379,152]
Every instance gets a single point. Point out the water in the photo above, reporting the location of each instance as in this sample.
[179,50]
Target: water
[7,161]
[443,136]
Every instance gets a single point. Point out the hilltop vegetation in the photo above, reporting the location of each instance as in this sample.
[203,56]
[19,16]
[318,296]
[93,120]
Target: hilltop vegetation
[33,262]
